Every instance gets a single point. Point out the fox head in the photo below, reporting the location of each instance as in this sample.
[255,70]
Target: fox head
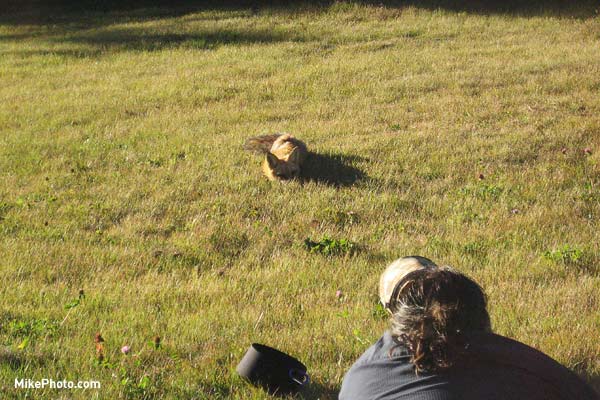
[277,169]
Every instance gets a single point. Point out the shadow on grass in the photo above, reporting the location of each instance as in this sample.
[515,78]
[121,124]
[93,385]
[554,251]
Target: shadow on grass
[95,13]
[137,39]
[17,361]
[96,33]
[94,23]
[98,42]
[88,14]
[332,169]
[551,8]
[24,54]
[140,40]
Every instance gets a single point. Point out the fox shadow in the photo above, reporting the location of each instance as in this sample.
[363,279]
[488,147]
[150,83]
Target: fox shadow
[332,169]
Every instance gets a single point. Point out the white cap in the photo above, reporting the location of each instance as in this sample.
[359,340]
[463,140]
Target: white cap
[396,271]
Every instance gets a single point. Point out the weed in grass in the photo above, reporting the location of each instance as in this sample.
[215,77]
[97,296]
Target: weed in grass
[156,163]
[471,217]
[75,302]
[330,247]
[4,209]
[178,156]
[30,329]
[590,193]
[483,191]
[359,336]
[567,254]
[134,387]
[379,312]
[588,202]
[431,174]
[35,327]
[340,218]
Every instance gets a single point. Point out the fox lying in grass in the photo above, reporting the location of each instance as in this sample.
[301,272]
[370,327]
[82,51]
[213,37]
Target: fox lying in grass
[284,155]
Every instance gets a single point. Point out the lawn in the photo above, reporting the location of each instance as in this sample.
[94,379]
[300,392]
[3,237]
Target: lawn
[128,207]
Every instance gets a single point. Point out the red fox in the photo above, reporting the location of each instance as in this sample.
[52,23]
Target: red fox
[284,155]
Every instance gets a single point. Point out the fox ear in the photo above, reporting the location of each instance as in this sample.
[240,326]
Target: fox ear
[272,160]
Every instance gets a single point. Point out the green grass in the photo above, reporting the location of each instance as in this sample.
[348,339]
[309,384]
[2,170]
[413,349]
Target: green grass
[121,174]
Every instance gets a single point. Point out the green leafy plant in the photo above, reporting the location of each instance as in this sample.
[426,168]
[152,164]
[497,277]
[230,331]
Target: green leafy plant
[329,247]
[75,302]
[4,209]
[340,218]
[23,344]
[359,337]
[489,192]
[156,163]
[379,311]
[176,157]
[26,331]
[32,328]
[483,191]
[566,254]
[133,387]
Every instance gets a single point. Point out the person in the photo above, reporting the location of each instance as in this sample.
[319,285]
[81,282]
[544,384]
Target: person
[440,346]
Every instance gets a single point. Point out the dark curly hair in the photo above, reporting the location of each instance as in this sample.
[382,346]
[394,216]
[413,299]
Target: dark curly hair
[433,315]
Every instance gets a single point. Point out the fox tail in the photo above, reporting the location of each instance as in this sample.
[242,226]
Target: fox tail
[260,144]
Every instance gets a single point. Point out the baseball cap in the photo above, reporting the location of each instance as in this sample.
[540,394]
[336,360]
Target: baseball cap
[395,272]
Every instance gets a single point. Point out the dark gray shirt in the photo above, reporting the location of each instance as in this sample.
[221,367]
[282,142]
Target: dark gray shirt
[495,368]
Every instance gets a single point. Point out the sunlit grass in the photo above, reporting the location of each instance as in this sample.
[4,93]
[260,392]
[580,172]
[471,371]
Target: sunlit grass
[454,135]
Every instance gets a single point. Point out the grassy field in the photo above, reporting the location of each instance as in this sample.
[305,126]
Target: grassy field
[470,137]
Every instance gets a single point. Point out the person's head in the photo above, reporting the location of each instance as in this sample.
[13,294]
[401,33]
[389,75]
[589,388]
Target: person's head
[395,272]
[434,312]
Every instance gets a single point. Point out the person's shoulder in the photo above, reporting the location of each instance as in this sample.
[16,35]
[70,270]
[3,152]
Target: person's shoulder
[507,350]
[491,349]
[367,376]
[384,372]
[386,349]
